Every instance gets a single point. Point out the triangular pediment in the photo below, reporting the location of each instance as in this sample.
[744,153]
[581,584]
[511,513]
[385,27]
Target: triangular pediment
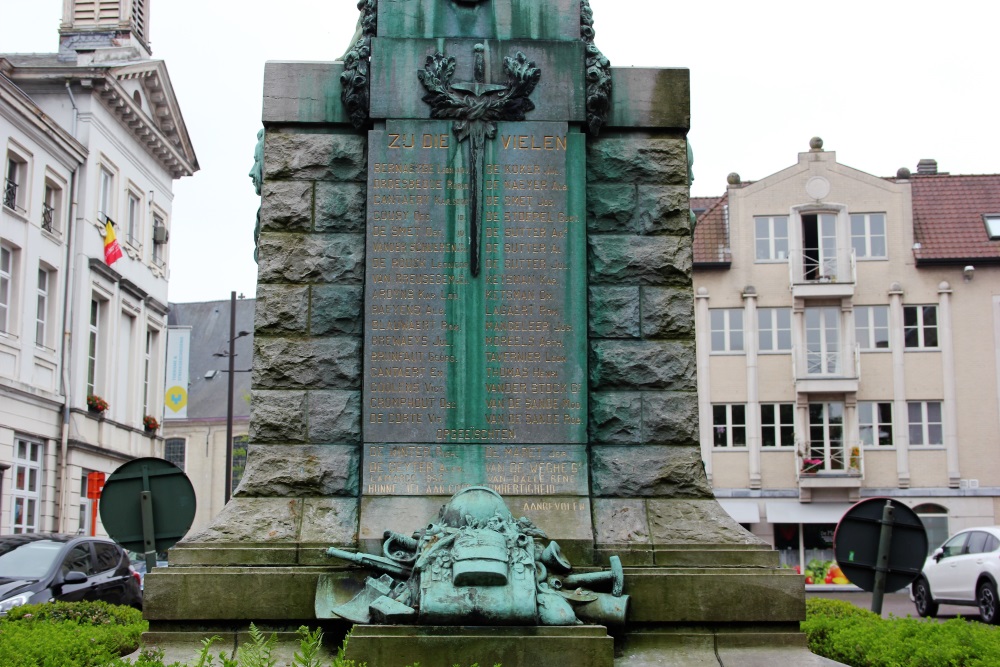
[158,123]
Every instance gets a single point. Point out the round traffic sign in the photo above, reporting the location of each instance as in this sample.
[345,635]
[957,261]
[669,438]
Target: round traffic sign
[169,504]
[856,543]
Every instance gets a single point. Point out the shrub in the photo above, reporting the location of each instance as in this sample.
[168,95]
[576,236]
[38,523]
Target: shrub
[840,631]
[68,634]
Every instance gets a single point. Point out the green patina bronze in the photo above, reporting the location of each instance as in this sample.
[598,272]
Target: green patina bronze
[475,564]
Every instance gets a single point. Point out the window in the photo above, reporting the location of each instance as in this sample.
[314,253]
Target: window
[26,497]
[771,234]
[51,207]
[875,423]
[105,195]
[992,225]
[175,450]
[729,425]
[774,329]
[823,353]
[158,245]
[935,520]
[93,343]
[819,246]
[41,315]
[134,231]
[239,459]
[777,424]
[926,427]
[727,329]
[920,326]
[871,327]
[826,437]
[868,235]
[6,280]
[15,182]
[145,373]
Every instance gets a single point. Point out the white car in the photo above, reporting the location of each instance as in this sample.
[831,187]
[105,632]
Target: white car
[962,571]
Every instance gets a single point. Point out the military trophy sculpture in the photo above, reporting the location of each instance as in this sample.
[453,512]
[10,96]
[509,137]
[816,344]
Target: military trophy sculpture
[475,564]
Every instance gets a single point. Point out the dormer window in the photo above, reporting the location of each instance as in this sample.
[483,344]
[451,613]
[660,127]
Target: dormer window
[992,225]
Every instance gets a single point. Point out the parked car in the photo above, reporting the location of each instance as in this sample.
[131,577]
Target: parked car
[37,567]
[139,566]
[962,571]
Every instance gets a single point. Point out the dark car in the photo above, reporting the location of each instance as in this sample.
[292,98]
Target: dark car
[39,567]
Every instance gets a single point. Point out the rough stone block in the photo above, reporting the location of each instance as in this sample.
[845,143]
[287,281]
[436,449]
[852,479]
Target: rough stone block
[287,206]
[253,520]
[637,158]
[626,364]
[315,157]
[337,309]
[311,363]
[615,418]
[670,418]
[335,416]
[278,416]
[649,471]
[667,312]
[297,471]
[610,207]
[330,522]
[694,522]
[281,309]
[662,209]
[639,260]
[311,258]
[613,312]
[620,521]
[340,207]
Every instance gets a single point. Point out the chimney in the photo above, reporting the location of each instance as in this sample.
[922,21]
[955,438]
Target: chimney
[927,167]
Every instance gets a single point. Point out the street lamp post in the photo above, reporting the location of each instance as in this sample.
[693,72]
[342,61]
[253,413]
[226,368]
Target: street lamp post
[233,336]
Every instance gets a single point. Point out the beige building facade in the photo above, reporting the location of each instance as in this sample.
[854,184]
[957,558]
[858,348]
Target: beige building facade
[849,347]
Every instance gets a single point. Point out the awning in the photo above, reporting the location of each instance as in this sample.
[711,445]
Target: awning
[796,512]
[743,511]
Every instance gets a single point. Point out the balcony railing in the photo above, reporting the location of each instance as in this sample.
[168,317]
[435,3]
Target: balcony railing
[808,267]
[839,462]
[811,364]
[10,194]
[47,214]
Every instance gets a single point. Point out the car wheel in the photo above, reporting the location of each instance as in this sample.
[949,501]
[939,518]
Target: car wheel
[987,598]
[926,606]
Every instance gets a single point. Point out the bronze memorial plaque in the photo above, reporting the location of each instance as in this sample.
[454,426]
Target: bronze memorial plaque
[462,354]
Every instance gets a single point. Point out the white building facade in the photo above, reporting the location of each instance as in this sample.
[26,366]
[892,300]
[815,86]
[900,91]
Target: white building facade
[71,325]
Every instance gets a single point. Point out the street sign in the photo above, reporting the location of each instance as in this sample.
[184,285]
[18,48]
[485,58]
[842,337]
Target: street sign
[95,484]
[147,506]
[880,545]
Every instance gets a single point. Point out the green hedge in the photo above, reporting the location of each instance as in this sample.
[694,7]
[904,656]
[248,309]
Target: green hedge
[68,634]
[840,631]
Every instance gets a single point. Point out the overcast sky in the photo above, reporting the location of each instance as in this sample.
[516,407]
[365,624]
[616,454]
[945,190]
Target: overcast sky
[884,83]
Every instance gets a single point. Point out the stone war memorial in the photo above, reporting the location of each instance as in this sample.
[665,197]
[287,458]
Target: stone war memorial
[474,341]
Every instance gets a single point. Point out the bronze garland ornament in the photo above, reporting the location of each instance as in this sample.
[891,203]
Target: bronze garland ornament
[476,106]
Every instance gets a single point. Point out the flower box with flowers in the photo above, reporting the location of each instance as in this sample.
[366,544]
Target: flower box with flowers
[811,466]
[150,424]
[96,404]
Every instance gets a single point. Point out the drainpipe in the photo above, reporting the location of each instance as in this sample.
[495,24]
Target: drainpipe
[67,338]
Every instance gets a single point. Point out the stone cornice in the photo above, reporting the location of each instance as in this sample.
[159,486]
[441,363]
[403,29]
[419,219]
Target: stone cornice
[163,133]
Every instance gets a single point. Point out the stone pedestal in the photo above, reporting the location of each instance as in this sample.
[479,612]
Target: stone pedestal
[402,645]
